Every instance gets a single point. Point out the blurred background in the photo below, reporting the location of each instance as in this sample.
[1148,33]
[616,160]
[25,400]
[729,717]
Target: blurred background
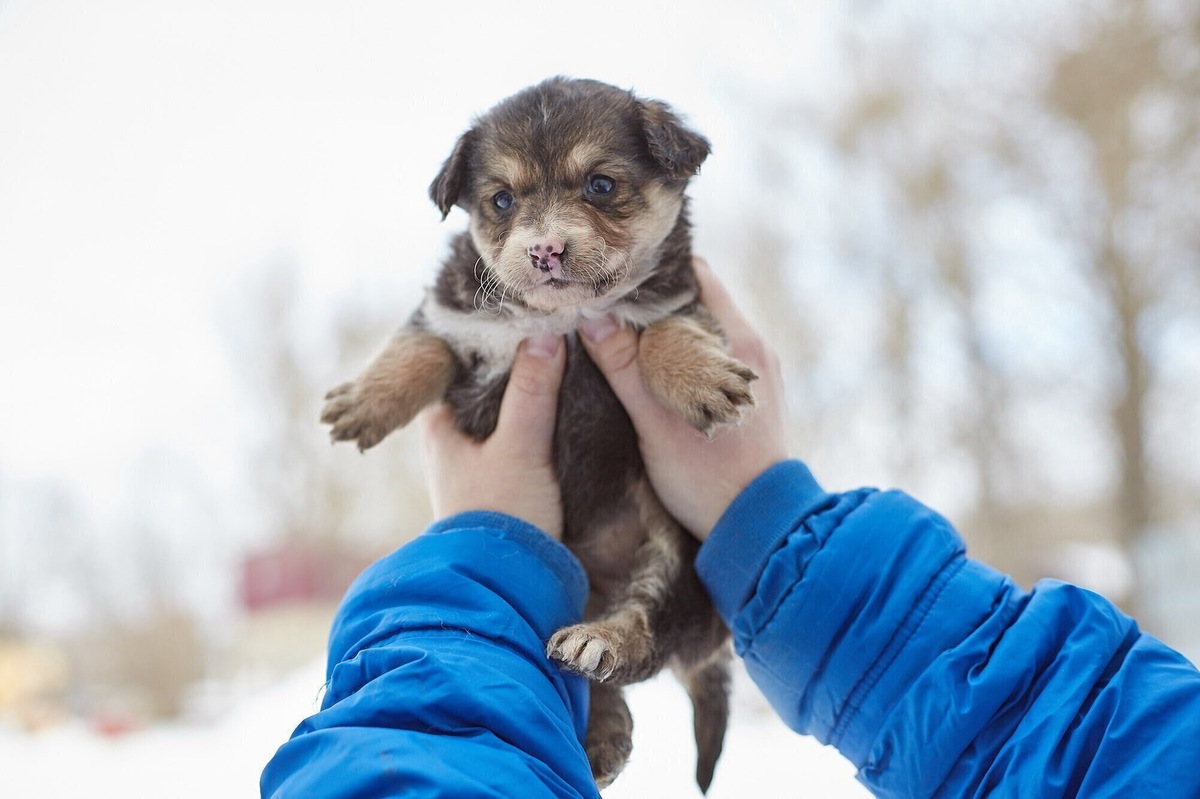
[971,229]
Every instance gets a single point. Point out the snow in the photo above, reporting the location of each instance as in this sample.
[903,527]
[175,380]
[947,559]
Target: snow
[225,758]
[760,758]
[180,760]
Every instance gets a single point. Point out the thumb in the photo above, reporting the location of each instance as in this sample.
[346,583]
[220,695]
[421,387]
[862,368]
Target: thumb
[614,349]
[530,402]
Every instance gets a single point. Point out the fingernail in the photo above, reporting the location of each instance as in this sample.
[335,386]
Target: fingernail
[543,346]
[596,330]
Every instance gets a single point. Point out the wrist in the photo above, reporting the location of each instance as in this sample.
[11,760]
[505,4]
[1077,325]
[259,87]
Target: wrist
[723,496]
[550,550]
[751,528]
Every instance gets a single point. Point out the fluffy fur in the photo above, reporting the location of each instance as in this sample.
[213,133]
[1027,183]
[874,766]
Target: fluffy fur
[575,191]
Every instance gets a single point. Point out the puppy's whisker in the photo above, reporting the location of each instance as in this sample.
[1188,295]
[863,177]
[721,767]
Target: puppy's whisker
[480,300]
[504,291]
[488,297]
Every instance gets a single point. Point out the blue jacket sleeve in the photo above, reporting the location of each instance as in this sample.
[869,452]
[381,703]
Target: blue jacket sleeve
[863,622]
[438,681]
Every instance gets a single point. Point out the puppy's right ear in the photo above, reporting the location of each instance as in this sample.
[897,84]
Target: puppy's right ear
[450,180]
[678,149]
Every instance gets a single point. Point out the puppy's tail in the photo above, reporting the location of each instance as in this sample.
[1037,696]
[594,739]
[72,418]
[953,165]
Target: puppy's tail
[707,684]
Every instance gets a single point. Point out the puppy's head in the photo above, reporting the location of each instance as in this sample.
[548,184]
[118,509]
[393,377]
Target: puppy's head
[571,186]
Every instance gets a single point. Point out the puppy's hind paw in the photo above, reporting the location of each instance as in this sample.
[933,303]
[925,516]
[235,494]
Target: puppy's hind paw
[608,759]
[609,740]
[587,649]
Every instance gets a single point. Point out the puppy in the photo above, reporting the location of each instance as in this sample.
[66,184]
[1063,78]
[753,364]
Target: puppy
[575,191]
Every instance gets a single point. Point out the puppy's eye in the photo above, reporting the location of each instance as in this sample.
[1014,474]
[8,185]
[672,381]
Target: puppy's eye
[601,184]
[503,200]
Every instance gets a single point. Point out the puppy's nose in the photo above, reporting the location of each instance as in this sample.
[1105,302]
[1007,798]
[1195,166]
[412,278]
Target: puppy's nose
[546,254]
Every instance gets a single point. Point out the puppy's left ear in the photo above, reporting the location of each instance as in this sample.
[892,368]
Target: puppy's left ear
[452,178]
[677,149]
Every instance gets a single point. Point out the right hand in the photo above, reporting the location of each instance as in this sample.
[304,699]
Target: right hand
[512,471]
[695,477]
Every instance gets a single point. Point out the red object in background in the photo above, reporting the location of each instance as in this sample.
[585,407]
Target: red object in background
[297,573]
[115,725]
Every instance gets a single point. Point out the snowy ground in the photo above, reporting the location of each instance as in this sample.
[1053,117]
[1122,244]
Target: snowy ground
[762,758]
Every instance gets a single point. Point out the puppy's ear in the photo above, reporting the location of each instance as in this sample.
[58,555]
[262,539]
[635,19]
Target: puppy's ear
[677,149]
[450,180]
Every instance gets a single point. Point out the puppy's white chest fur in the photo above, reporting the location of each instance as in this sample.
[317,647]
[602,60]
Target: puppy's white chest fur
[495,335]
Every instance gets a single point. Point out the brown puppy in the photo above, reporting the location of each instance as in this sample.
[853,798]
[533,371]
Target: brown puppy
[575,191]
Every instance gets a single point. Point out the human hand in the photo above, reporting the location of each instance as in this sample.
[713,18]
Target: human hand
[695,477]
[512,471]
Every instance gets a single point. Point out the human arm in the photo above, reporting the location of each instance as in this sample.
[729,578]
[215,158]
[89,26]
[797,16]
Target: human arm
[438,682]
[863,622]
[512,471]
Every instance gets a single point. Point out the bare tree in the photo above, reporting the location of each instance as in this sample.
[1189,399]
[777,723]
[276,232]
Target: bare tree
[1121,72]
[1082,126]
[288,350]
[47,577]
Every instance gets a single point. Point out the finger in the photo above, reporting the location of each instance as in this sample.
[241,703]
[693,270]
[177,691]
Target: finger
[436,421]
[744,341]
[527,412]
[442,445]
[719,302]
[438,432]
[614,349]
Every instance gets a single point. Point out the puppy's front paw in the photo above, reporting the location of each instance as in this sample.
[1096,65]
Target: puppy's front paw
[685,365]
[411,372]
[588,649]
[358,415]
[716,393]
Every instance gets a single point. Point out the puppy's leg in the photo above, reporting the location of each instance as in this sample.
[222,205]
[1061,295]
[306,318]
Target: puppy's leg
[707,684]
[609,740]
[618,647]
[684,363]
[623,645]
[662,614]
[412,371]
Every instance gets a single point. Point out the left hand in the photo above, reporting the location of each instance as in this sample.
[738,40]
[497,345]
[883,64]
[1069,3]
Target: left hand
[512,471]
[697,477]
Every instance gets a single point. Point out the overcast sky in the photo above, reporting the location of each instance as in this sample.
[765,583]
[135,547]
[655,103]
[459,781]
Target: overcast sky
[152,155]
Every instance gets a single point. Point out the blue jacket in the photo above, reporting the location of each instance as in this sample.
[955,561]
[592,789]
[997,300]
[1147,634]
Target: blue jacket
[857,614]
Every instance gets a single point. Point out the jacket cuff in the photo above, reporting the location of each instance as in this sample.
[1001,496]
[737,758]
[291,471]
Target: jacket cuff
[510,561]
[554,554]
[752,527]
